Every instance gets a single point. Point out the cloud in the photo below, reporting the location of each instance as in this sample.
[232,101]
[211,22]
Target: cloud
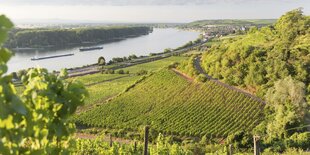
[130,2]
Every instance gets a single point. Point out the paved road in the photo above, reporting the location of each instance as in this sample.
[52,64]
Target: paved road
[94,68]
[202,71]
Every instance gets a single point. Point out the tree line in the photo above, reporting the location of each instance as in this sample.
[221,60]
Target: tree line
[70,37]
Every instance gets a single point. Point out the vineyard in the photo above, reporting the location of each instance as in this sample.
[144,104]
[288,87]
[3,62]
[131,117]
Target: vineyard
[102,87]
[173,105]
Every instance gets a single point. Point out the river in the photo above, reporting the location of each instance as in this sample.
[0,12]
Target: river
[154,42]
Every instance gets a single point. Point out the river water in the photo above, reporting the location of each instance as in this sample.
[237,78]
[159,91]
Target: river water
[154,42]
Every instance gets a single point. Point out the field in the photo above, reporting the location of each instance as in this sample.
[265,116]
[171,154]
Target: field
[174,105]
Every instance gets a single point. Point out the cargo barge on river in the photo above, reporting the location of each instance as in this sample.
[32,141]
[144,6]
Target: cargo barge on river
[50,57]
[90,48]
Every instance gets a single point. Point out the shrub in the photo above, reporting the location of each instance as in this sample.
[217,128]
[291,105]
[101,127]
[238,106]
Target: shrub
[141,72]
[120,71]
[173,65]
[109,71]
[201,78]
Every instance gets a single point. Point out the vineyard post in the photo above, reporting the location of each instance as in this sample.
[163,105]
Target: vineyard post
[111,142]
[227,149]
[256,145]
[135,146]
[230,149]
[146,139]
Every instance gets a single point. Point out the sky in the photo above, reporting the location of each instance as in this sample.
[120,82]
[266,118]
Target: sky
[141,11]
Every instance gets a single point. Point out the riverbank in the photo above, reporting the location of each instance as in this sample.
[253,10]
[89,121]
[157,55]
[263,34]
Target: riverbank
[92,69]
[155,42]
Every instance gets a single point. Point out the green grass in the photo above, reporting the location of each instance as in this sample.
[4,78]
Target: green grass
[212,42]
[155,65]
[102,87]
[101,92]
[173,105]
[93,78]
[193,52]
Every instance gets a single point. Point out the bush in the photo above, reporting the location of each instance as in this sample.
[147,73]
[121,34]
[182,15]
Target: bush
[299,140]
[201,78]
[120,71]
[141,72]
[109,71]
[167,50]
[173,65]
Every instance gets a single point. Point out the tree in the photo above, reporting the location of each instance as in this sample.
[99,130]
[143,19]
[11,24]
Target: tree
[120,71]
[167,50]
[101,63]
[287,99]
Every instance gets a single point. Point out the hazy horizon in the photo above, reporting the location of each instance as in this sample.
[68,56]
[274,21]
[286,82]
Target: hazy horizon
[145,11]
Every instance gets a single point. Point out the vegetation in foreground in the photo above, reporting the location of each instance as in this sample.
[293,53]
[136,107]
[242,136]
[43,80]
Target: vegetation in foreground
[37,121]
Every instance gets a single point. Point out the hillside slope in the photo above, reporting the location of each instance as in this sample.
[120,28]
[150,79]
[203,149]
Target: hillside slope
[263,56]
[174,105]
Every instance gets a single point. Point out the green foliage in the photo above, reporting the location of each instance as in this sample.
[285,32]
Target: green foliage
[97,146]
[65,37]
[262,56]
[141,72]
[287,100]
[5,26]
[299,140]
[230,22]
[103,87]
[172,105]
[155,65]
[188,67]
[101,61]
[120,71]
[240,140]
[173,65]
[163,146]
[167,50]
[37,122]
[201,78]
[109,71]
[286,115]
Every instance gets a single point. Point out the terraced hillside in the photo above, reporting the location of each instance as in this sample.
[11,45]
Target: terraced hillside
[175,105]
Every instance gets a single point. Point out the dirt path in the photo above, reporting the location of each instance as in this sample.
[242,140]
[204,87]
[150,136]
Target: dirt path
[188,78]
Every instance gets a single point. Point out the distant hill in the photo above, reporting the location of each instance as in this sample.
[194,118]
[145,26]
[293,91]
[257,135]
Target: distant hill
[61,37]
[232,22]
[172,104]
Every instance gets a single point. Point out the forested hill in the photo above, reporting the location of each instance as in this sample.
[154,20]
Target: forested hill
[231,22]
[70,37]
[262,56]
